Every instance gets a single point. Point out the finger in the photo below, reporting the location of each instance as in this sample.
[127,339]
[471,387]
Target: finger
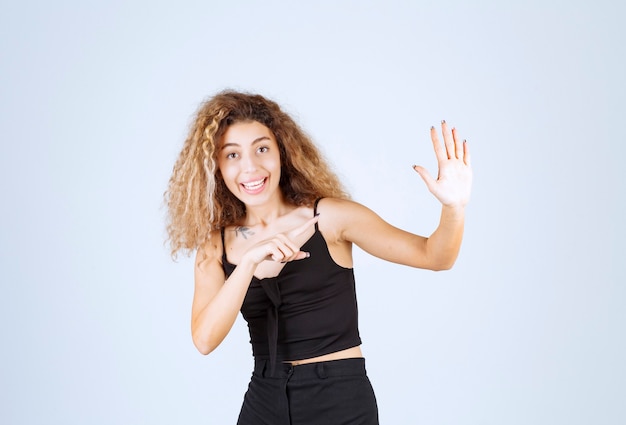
[290,250]
[440,152]
[447,139]
[458,144]
[466,153]
[300,255]
[297,231]
[425,175]
[285,241]
[280,252]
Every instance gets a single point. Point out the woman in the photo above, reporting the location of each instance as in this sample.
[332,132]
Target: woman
[273,230]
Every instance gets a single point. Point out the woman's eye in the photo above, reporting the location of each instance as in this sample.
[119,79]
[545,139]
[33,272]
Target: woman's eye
[231,155]
[263,149]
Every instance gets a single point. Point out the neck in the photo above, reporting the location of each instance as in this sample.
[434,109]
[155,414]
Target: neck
[266,213]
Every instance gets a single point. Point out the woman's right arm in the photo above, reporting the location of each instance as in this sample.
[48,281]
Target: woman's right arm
[216,300]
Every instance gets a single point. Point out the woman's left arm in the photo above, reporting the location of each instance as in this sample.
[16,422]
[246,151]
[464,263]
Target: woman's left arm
[452,188]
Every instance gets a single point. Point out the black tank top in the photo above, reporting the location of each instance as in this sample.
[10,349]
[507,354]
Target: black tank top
[308,310]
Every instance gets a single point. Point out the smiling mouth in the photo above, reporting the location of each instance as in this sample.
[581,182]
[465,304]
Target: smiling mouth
[253,186]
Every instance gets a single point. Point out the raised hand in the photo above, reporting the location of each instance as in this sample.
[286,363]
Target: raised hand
[454,180]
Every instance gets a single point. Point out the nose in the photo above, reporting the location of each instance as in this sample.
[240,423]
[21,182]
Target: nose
[248,163]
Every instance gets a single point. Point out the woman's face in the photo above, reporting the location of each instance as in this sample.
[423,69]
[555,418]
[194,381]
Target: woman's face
[249,161]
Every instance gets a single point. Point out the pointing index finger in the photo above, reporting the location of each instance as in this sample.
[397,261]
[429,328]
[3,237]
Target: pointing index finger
[297,231]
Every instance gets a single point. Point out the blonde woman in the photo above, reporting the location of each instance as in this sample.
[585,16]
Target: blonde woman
[273,230]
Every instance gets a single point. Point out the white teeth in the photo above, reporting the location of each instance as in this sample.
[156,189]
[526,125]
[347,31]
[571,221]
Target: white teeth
[253,185]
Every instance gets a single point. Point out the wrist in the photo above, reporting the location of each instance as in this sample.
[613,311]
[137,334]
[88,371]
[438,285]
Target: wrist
[453,214]
[247,264]
[454,209]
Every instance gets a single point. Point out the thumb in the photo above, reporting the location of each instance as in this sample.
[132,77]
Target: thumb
[425,175]
[302,255]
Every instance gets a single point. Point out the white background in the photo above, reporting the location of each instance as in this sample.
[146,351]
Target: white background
[95,102]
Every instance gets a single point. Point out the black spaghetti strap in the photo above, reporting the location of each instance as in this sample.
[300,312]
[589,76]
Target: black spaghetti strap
[223,245]
[317,201]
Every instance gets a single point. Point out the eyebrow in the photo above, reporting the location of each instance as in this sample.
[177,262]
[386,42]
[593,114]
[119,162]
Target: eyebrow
[257,140]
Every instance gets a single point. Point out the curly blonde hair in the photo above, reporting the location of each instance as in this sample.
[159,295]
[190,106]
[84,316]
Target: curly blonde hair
[197,198]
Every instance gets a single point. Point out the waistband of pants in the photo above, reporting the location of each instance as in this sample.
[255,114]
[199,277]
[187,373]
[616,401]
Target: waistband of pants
[322,370]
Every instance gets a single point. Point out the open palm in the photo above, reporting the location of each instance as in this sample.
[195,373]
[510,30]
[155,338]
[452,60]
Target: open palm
[453,184]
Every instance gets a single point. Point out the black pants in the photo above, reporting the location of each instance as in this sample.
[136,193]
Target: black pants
[336,392]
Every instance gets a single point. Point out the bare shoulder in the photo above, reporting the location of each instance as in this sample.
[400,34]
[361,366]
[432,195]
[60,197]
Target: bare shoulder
[339,208]
[339,216]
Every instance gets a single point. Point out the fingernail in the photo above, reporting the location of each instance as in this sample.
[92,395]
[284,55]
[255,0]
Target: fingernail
[317,215]
[432,127]
[308,254]
[443,121]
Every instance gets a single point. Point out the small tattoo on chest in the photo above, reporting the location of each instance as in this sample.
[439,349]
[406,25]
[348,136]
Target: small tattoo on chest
[243,231]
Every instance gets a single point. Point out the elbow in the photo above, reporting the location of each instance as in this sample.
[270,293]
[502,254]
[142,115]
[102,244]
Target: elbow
[440,258]
[203,349]
[442,265]
[203,344]
[442,268]
[207,336]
